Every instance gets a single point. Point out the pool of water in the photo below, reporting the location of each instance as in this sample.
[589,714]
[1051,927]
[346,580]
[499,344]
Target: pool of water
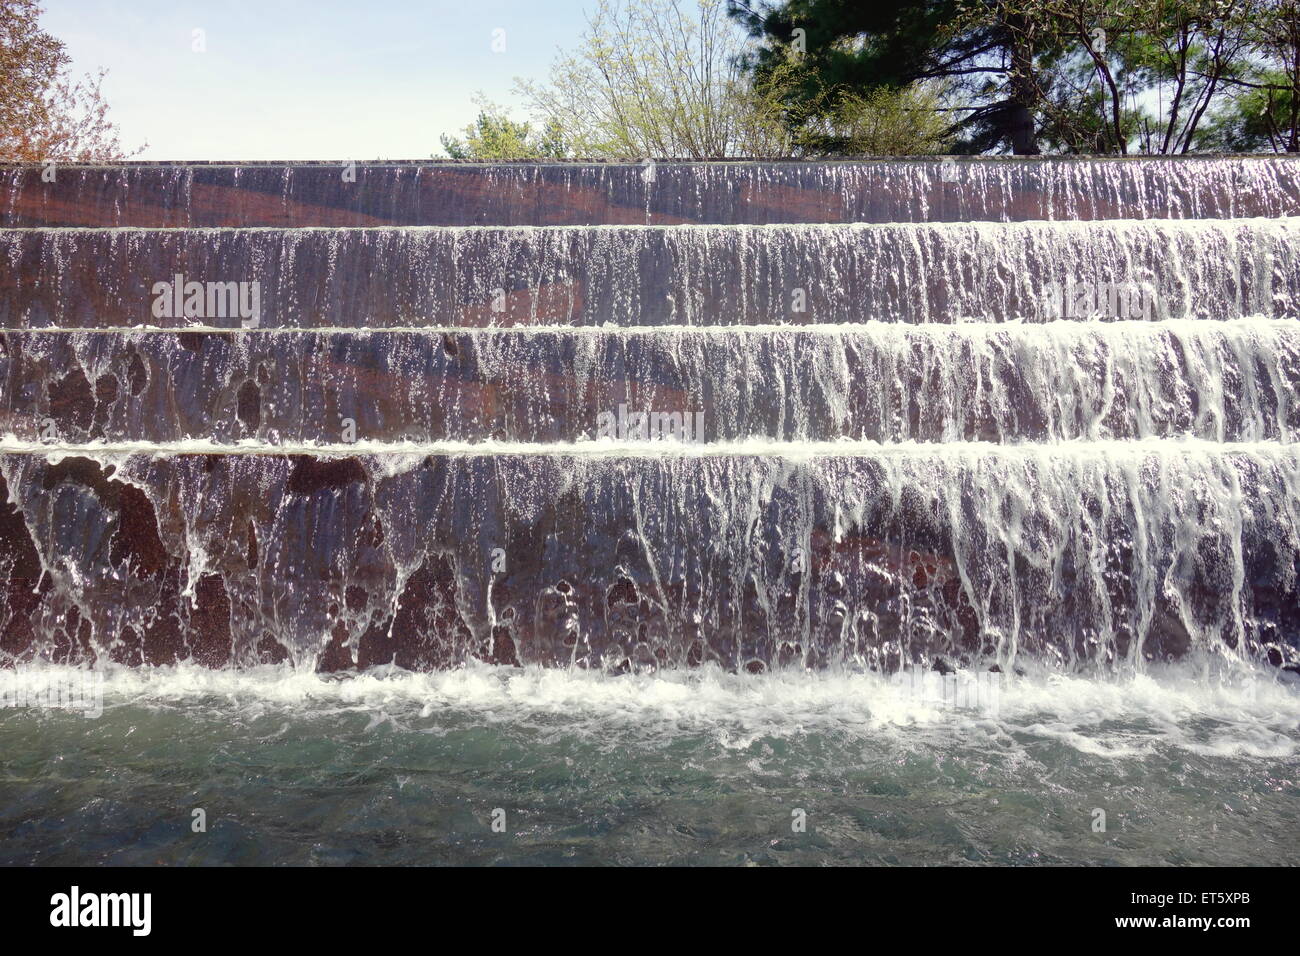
[487,765]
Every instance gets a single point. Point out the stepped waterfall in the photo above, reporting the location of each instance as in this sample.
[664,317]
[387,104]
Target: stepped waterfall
[629,418]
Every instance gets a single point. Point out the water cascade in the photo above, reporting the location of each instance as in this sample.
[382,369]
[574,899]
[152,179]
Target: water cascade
[628,417]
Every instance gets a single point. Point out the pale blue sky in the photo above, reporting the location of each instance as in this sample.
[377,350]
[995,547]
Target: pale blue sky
[306,80]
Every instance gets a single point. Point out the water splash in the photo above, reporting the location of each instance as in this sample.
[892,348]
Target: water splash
[1080,555]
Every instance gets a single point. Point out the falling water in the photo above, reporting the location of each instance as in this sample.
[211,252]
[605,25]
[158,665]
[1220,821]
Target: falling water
[550,194]
[701,276]
[647,498]
[886,382]
[583,415]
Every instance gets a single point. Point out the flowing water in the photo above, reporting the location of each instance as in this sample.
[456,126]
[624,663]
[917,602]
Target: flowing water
[699,767]
[876,512]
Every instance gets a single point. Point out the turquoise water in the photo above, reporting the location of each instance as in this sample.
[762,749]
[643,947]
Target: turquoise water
[691,767]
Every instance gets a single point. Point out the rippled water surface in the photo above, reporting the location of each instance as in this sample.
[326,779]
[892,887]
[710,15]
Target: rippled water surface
[691,767]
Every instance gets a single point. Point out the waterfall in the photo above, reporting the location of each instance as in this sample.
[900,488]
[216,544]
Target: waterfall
[646,276]
[731,193]
[999,382]
[867,414]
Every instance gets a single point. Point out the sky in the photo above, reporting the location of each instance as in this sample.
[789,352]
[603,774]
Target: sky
[330,80]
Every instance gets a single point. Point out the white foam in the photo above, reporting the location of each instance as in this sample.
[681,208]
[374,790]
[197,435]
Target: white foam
[1245,714]
[964,328]
[761,447]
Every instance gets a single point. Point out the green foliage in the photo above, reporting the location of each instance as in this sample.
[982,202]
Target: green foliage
[1259,119]
[658,78]
[1088,76]
[1265,113]
[495,136]
[666,78]
[844,48]
[699,79]
[1131,76]
[883,122]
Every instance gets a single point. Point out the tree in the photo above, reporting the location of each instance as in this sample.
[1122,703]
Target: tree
[653,78]
[906,122]
[1264,108]
[665,78]
[1064,75]
[45,115]
[495,136]
[1103,63]
[847,47]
